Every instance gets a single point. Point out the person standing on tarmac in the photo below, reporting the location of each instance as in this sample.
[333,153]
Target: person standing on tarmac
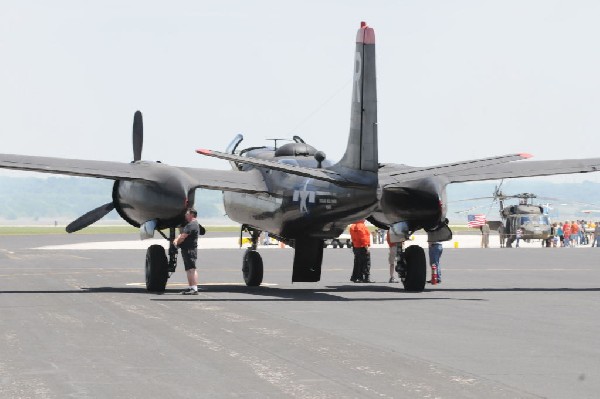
[519,235]
[361,241]
[435,254]
[567,234]
[485,236]
[597,235]
[502,235]
[187,240]
[392,257]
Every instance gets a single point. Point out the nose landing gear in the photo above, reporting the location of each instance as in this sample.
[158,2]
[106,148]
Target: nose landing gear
[252,265]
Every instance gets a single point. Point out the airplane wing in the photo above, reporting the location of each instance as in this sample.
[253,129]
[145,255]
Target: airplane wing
[526,169]
[224,180]
[487,169]
[318,174]
[392,174]
[74,167]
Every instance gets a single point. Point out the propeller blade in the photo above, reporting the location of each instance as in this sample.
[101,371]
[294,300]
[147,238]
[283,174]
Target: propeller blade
[138,136]
[90,217]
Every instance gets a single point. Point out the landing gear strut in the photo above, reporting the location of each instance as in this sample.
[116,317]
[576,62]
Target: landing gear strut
[412,267]
[252,266]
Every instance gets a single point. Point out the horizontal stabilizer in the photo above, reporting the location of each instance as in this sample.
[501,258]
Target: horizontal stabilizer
[318,174]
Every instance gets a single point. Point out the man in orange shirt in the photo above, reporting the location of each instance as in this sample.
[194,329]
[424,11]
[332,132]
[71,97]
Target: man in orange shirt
[361,241]
[574,233]
[567,233]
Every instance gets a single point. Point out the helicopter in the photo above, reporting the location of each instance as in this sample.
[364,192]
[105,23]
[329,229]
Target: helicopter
[532,219]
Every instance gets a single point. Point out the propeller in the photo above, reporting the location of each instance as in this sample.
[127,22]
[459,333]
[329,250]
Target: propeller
[138,136]
[90,217]
[96,214]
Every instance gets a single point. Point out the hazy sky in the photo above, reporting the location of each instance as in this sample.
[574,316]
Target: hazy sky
[456,79]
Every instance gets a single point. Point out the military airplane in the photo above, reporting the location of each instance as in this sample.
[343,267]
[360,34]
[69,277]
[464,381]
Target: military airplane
[293,192]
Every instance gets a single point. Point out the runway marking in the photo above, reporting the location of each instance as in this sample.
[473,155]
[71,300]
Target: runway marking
[200,285]
[522,269]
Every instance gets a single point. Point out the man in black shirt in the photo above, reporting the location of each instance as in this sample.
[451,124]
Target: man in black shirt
[187,241]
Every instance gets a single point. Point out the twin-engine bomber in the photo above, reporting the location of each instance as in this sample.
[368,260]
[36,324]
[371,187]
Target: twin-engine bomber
[293,192]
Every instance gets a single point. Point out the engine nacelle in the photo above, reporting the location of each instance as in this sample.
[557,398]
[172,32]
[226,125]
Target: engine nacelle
[420,203]
[164,200]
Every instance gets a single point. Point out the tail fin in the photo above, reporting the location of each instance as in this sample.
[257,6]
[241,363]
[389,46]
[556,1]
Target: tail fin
[361,152]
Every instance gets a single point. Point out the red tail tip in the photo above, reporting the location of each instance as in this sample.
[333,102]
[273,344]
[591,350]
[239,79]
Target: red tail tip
[203,151]
[366,34]
[525,155]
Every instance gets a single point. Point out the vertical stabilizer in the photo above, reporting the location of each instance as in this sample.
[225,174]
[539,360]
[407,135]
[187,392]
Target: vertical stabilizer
[361,152]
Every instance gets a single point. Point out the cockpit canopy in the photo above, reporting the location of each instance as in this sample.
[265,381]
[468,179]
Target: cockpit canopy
[295,150]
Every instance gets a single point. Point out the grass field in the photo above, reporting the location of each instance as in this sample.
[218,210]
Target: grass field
[121,229]
[37,230]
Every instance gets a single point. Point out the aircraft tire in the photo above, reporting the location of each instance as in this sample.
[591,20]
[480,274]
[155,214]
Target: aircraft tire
[157,269]
[416,269]
[252,269]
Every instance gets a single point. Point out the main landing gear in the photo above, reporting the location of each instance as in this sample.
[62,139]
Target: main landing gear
[158,268]
[252,266]
[412,267]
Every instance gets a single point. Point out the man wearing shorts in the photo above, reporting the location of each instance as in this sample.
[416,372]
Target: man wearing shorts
[187,241]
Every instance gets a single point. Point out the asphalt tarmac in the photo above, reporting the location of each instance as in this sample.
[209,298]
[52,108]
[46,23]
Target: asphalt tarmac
[505,323]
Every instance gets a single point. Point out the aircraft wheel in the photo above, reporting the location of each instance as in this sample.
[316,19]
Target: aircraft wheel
[336,243]
[157,269]
[416,269]
[252,268]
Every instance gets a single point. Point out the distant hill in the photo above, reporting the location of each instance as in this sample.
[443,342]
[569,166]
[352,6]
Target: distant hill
[66,198]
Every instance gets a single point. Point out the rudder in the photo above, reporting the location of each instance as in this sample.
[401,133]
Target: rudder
[361,152]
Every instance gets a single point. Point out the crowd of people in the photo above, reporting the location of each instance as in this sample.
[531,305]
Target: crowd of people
[574,233]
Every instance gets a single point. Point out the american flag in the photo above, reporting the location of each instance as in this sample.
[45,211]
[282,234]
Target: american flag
[475,220]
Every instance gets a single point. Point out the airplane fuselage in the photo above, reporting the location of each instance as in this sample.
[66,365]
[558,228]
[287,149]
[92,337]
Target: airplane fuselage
[299,206]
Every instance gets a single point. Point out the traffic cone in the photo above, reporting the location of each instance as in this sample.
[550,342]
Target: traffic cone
[434,274]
